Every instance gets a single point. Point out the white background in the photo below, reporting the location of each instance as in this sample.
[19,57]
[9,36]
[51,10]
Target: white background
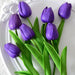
[3,70]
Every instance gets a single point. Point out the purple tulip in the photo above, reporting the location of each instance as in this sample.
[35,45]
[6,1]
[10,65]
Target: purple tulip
[14,22]
[51,32]
[24,9]
[26,32]
[47,15]
[65,10]
[12,50]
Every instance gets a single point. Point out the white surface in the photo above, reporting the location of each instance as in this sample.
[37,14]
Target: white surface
[3,69]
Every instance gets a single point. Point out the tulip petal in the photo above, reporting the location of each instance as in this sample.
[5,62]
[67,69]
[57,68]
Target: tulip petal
[14,22]
[47,15]
[65,10]
[24,9]
[26,32]
[12,50]
[51,32]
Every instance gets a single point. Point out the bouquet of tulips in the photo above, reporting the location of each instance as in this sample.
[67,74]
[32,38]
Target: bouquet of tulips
[40,44]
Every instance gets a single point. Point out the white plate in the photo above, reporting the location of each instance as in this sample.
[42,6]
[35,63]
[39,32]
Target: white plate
[67,39]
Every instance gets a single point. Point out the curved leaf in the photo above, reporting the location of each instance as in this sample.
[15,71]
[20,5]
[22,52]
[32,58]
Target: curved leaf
[63,62]
[36,54]
[29,65]
[23,73]
[47,67]
[38,41]
[36,24]
[60,29]
[53,54]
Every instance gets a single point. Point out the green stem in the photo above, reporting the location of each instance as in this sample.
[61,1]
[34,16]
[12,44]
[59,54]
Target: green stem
[43,30]
[33,42]
[29,22]
[54,69]
[16,32]
[60,29]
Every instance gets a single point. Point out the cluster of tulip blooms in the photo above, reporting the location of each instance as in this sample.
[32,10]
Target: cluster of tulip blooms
[40,44]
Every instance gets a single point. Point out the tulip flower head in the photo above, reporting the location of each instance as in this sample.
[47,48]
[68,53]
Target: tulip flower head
[47,15]
[12,50]
[65,10]
[26,32]
[14,22]
[24,9]
[51,32]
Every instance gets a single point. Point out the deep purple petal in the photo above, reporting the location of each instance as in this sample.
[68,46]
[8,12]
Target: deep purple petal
[14,22]
[51,32]
[65,10]
[26,32]
[24,9]
[47,15]
[12,50]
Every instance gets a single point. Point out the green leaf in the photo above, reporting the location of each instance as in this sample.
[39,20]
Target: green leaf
[36,24]
[63,62]
[36,27]
[56,45]
[60,29]
[47,67]
[53,54]
[43,30]
[21,45]
[16,32]
[36,54]
[28,42]
[29,22]
[29,65]
[38,41]
[36,44]
[23,73]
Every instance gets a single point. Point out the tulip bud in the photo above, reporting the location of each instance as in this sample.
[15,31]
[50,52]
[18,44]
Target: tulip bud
[14,22]
[26,32]
[51,32]
[65,10]
[24,9]
[12,50]
[47,15]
